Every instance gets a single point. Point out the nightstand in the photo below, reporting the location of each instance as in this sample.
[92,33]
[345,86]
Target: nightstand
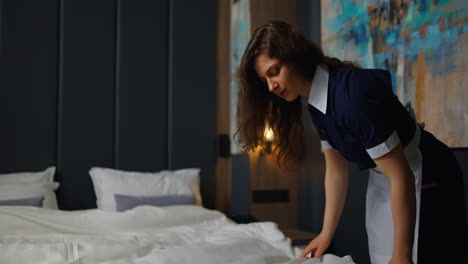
[298,237]
[243,219]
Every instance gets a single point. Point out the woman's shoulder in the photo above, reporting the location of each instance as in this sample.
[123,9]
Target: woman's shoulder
[359,74]
[357,85]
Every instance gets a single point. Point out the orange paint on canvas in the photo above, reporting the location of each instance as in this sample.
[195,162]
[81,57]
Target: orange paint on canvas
[454,23]
[441,23]
[422,30]
[420,70]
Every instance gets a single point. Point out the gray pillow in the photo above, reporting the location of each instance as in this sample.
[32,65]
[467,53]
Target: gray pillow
[126,202]
[33,201]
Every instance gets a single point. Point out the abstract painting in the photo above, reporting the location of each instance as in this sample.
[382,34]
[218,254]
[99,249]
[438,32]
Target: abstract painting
[423,43]
[240,36]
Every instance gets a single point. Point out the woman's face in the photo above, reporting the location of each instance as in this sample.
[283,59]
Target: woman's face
[281,79]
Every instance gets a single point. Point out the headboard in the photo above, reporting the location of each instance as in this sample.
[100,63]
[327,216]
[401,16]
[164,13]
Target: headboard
[121,84]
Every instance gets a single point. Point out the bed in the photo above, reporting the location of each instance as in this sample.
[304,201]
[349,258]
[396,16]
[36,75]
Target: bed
[144,234]
[141,217]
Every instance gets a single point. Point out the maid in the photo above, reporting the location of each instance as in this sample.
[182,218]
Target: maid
[415,200]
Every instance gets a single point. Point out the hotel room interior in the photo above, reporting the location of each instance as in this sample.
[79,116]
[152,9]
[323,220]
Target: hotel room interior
[129,107]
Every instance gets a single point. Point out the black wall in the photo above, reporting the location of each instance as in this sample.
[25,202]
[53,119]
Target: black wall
[114,83]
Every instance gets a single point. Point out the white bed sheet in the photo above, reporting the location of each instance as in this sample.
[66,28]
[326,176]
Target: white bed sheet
[143,235]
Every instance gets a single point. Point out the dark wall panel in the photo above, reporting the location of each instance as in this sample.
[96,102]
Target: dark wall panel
[142,85]
[112,83]
[240,185]
[3,88]
[2,62]
[192,90]
[87,97]
[308,18]
[28,84]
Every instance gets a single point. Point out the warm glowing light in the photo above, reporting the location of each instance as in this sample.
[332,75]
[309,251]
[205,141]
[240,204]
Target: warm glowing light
[268,134]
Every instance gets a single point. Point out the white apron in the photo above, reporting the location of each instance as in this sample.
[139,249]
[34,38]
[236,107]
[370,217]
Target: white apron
[379,220]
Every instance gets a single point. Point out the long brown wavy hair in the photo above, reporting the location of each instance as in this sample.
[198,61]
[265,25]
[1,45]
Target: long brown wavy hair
[258,108]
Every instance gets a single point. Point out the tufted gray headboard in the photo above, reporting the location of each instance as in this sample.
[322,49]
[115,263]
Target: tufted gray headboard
[121,84]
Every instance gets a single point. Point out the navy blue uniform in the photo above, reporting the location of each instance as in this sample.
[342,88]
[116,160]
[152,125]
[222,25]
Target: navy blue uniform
[356,113]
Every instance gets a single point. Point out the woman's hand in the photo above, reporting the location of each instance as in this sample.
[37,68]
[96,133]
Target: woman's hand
[317,246]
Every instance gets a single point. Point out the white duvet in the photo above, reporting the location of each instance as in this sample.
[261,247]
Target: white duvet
[146,234]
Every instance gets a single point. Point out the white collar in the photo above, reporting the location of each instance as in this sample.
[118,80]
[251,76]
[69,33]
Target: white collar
[319,91]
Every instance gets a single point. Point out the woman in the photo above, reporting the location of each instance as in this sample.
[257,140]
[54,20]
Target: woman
[415,200]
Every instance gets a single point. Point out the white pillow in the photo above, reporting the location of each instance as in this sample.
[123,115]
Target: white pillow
[45,176]
[109,182]
[10,191]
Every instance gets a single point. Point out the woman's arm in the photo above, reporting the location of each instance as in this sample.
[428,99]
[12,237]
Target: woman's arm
[336,185]
[403,201]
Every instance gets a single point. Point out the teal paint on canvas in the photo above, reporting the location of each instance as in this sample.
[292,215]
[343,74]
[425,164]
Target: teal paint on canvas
[240,36]
[423,43]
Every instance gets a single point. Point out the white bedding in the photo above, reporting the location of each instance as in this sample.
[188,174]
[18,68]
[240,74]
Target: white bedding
[146,234]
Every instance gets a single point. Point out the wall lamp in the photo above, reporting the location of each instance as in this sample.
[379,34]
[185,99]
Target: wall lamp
[269,136]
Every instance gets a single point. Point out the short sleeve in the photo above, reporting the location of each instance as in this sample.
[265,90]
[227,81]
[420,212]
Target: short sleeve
[324,143]
[370,113]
